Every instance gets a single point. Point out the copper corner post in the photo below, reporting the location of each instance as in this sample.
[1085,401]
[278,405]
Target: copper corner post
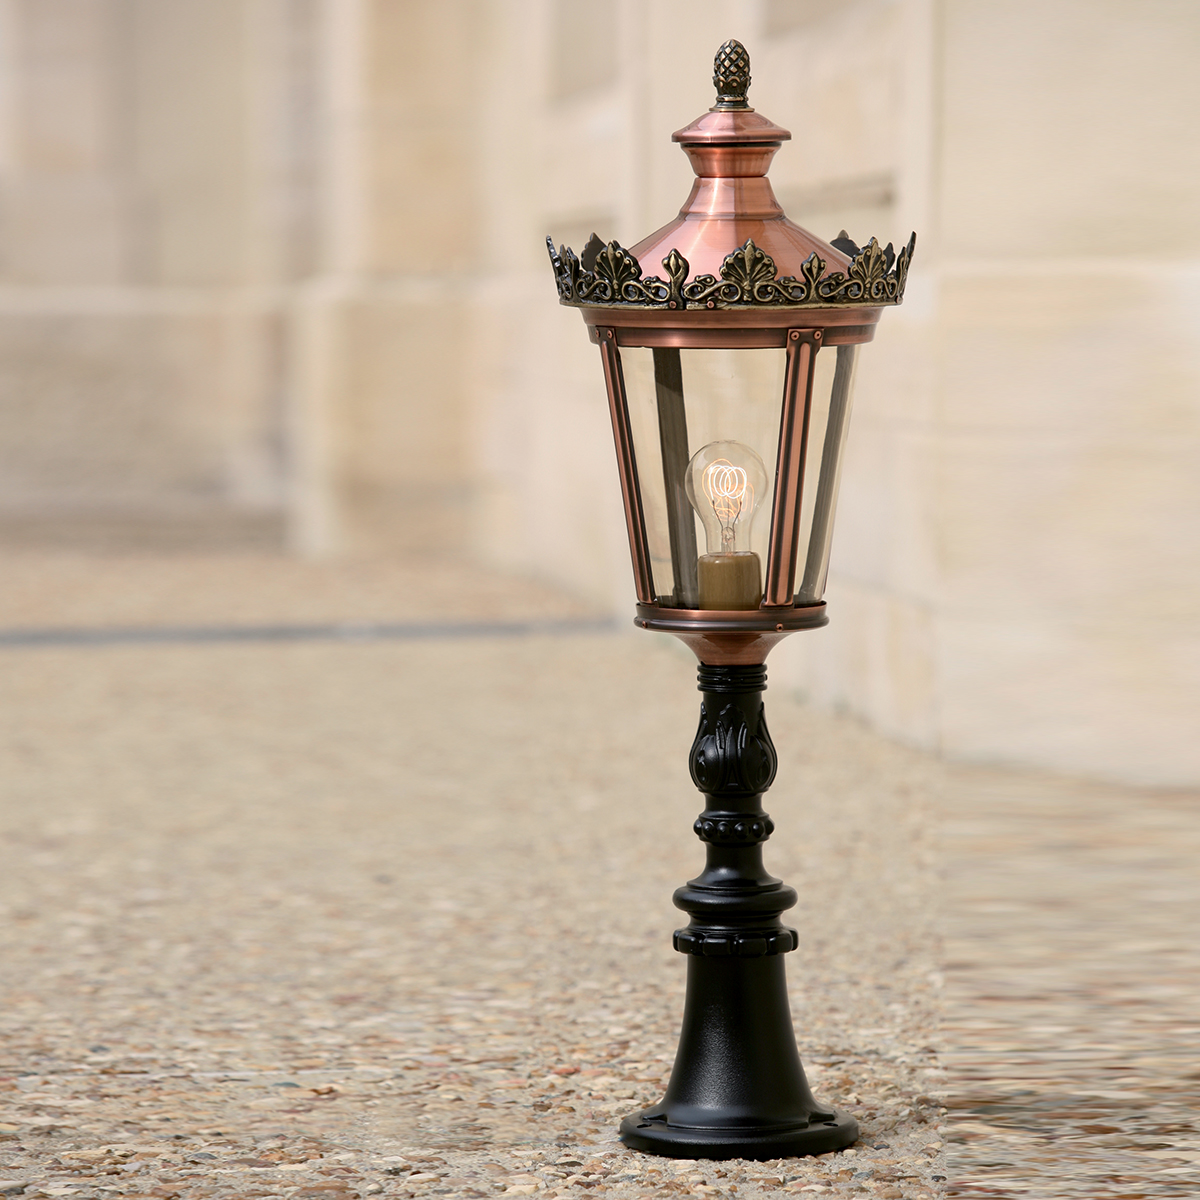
[802,347]
[635,521]
[731,271]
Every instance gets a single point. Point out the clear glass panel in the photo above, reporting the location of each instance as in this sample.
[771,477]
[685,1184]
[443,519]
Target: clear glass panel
[829,421]
[681,402]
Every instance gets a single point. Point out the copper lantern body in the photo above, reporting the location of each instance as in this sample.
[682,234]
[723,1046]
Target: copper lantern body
[729,379]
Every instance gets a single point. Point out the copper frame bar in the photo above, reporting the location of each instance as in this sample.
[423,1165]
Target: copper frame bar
[705,337]
[673,439]
[635,520]
[778,319]
[802,346]
[816,561]
[701,338]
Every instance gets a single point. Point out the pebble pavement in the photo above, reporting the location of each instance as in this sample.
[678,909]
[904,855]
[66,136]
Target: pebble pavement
[392,917]
[1071,1024]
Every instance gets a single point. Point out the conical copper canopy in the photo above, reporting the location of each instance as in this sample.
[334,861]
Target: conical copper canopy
[731,147]
[732,248]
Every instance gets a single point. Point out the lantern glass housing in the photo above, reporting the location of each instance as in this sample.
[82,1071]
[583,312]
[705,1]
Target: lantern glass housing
[681,401]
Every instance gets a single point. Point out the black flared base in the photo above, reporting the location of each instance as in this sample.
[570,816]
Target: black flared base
[675,1141]
[737,1089]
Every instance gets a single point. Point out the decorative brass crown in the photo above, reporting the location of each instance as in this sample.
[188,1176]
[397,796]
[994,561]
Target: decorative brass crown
[731,142]
[607,274]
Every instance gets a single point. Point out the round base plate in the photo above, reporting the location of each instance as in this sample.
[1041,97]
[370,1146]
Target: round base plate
[676,1141]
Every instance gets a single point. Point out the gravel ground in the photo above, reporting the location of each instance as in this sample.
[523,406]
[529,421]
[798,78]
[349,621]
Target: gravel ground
[392,917]
[1073,967]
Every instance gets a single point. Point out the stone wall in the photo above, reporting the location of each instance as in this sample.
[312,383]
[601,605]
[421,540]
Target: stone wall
[152,206]
[1016,568]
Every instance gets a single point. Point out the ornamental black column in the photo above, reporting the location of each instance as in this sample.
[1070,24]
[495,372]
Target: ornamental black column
[738,1088]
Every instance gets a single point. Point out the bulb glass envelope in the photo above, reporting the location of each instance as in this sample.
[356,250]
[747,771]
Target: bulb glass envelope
[730,325]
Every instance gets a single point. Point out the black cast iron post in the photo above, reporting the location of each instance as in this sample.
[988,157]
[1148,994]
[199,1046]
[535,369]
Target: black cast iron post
[737,1088]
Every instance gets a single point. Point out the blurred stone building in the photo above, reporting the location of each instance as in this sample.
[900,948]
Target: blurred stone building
[272,274]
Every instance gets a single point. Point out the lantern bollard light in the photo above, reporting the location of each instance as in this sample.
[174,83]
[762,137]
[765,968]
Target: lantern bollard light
[742,352]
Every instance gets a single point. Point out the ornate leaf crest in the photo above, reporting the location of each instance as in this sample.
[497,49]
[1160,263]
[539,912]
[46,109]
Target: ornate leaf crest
[677,268]
[812,270]
[609,274]
[748,267]
[617,267]
[747,277]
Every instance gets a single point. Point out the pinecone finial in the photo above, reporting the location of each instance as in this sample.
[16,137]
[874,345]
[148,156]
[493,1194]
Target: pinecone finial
[731,75]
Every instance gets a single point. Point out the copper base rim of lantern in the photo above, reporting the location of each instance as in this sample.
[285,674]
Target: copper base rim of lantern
[721,637]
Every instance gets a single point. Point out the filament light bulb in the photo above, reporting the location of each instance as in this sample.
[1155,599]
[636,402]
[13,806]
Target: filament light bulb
[729,491]
[726,482]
